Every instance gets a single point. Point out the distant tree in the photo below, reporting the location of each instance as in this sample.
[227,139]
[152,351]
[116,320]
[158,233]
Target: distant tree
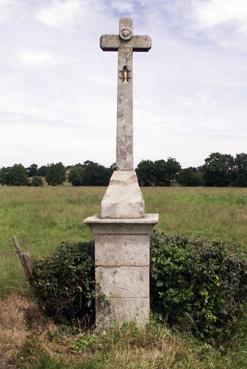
[15,175]
[189,177]
[240,171]
[32,170]
[37,181]
[96,174]
[200,174]
[218,170]
[4,175]
[90,174]
[161,174]
[55,174]
[166,171]
[146,173]
[76,175]
[42,171]
[158,173]
[173,167]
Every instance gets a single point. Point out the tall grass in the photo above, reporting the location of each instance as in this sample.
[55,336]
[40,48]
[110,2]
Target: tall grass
[42,218]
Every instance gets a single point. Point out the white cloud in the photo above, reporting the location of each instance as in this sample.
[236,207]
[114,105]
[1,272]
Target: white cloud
[59,13]
[7,7]
[4,5]
[122,6]
[35,58]
[214,13]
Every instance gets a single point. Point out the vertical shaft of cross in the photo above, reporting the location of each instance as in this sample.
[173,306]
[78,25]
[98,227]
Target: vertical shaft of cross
[124,148]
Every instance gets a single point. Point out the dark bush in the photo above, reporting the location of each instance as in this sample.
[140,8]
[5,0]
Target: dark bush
[157,173]
[14,176]
[32,170]
[4,173]
[64,283]
[198,285]
[90,174]
[189,177]
[239,175]
[55,174]
[42,171]
[218,170]
[37,181]
[76,175]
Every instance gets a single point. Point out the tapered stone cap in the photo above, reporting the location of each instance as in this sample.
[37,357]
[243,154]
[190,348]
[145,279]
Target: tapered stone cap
[123,197]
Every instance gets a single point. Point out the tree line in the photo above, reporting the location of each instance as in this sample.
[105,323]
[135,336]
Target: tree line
[220,170]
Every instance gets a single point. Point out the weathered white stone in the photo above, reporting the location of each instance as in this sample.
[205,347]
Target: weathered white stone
[122,230]
[123,281]
[125,43]
[119,226]
[127,250]
[120,310]
[137,43]
[122,268]
[123,197]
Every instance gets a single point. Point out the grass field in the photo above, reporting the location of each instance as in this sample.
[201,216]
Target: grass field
[41,218]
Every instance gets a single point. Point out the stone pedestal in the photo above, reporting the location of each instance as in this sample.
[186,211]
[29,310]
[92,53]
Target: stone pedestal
[122,268]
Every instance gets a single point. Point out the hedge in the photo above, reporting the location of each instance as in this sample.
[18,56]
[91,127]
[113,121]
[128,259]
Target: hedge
[197,285]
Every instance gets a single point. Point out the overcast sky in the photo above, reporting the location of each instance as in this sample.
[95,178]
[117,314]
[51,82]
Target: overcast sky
[58,88]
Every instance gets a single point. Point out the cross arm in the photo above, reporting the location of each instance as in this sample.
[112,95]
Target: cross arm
[141,43]
[109,42]
[113,43]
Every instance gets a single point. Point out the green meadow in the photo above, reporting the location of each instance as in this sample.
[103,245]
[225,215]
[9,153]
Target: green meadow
[41,218]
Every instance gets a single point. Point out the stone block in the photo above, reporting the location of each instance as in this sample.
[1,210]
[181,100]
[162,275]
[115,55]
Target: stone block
[123,281]
[119,310]
[120,249]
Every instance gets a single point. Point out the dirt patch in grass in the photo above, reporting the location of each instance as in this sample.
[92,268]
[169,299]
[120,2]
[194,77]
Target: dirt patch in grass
[18,314]
[26,335]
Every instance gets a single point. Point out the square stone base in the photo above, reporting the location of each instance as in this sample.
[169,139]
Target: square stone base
[122,269]
[120,310]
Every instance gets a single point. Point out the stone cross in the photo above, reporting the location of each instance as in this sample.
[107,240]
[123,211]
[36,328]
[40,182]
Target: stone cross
[122,229]
[125,43]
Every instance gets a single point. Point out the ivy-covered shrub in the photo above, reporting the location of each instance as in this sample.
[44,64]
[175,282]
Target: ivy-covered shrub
[198,285]
[64,283]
